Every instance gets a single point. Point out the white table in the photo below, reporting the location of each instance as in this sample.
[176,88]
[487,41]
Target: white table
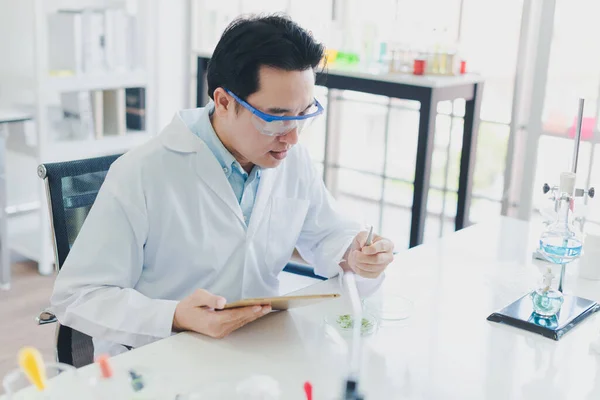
[445,350]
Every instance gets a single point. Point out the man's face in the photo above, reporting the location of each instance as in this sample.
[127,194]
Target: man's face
[280,93]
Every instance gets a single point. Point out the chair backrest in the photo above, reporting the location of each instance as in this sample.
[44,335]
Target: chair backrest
[72,187]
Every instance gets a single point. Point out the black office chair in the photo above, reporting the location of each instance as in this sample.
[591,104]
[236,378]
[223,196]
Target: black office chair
[72,187]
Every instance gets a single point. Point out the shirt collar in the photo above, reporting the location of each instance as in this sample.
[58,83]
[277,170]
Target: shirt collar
[210,137]
[225,158]
[197,121]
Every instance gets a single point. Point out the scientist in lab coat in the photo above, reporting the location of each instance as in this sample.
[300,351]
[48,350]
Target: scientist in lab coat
[211,209]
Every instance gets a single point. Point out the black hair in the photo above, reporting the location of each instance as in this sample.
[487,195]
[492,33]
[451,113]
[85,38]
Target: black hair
[251,42]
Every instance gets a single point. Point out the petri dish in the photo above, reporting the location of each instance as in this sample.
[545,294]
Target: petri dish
[389,307]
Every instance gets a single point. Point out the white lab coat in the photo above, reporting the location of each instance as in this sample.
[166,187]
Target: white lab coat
[167,222]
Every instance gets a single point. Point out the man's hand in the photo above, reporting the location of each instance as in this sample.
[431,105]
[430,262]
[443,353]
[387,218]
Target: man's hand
[368,261]
[197,313]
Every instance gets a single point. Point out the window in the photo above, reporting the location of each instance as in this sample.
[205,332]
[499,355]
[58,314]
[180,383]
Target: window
[573,73]
[489,40]
[574,68]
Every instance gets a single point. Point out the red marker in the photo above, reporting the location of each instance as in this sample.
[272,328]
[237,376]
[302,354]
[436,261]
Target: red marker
[308,390]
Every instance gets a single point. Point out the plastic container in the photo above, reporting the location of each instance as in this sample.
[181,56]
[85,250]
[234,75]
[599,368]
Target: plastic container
[62,383]
[419,66]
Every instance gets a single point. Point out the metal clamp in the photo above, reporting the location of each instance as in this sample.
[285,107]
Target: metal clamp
[578,192]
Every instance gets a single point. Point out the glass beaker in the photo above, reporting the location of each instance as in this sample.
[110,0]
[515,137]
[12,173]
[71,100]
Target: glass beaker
[561,243]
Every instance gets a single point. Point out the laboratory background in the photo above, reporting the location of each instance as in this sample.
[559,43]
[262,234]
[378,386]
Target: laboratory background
[440,115]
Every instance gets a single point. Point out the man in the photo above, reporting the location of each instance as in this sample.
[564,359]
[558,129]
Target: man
[211,209]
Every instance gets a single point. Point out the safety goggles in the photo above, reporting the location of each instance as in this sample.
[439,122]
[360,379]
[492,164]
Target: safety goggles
[273,125]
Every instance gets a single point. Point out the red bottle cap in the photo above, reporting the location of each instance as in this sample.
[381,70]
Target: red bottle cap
[105,368]
[308,390]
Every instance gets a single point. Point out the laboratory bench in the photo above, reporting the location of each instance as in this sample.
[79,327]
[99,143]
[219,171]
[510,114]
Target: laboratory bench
[445,348]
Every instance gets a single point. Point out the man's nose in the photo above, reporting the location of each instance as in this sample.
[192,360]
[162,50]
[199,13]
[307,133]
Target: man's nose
[290,137]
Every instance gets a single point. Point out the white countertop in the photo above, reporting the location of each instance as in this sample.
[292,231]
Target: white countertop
[431,81]
[445,350]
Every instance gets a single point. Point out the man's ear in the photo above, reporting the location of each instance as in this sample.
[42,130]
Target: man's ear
[223,101]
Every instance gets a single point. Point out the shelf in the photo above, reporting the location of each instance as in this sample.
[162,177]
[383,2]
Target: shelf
[31,91]
[97,82]
[81,149]
[10,115]
[22,208]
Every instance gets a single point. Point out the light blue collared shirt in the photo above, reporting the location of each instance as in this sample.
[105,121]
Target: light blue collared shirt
[244,185]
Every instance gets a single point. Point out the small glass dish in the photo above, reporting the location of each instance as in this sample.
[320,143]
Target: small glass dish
[344,324]
[389,307]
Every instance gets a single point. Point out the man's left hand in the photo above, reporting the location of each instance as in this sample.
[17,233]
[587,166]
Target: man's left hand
[369,261]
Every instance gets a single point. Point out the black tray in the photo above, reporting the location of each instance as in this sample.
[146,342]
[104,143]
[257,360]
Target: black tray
[520,314]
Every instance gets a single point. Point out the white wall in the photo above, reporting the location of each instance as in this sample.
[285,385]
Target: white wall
[172,59]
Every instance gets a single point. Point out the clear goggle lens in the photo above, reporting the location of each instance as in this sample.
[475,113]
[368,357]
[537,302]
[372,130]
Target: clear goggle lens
[284,126]
[280,128]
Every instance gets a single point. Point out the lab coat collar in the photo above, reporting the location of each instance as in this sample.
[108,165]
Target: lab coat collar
[209,170]
[178,137]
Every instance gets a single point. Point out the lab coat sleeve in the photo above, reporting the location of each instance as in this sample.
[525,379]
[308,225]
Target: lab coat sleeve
[93,292]
[327,233]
